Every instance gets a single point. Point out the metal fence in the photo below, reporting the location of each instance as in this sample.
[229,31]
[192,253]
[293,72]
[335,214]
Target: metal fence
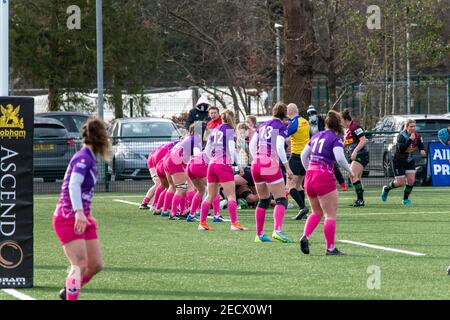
[127,171]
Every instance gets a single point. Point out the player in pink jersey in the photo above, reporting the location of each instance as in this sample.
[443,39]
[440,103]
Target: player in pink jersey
[156,160]
[221,150]
[267,149]
[320,184]
[196,170]
[154,190]
[73,223]
[175,165]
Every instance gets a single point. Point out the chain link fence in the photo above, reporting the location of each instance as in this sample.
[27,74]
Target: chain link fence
[127,170]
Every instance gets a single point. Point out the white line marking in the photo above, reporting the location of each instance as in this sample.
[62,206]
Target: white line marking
[373,246]
[17,294]
[127,202]
[137,204]
[391,213]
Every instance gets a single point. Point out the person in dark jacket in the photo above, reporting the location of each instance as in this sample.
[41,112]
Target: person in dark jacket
[199,112]
[408,141]
[316,122]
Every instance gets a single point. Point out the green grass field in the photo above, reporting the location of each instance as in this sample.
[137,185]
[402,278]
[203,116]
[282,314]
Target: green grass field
[149,257]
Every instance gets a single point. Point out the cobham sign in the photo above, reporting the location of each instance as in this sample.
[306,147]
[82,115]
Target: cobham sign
[16,192]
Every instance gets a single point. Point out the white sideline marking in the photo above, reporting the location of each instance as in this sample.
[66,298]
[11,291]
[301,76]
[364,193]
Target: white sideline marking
[127,202]
[362,244]
[391,213]
[17,294]
[137,204]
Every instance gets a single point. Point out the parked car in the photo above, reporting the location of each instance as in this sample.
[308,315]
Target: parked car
[52,149]
[73,121]
[133,140]
[383,137]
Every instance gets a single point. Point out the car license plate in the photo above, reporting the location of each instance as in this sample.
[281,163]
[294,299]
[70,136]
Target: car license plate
[44,147]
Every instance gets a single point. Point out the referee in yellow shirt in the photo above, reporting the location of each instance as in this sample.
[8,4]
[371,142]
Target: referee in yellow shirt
[298,132]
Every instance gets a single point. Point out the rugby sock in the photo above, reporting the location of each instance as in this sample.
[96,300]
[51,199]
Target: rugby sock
[232,210]
[176,201]
[260,216]
[278,216]
[311,224]
[189,196]
[329,229]
[407,192]
[196,202]
[146,200]
[85,280]
[183,203]
[297,197]
[161,199]
[168,201]
[73,286]
[302,195]
[158,192]
[359,189]
[216,206]
[204,211]
[391,186]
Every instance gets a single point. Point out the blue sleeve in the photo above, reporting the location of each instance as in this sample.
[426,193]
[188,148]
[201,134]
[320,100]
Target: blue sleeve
[293,127]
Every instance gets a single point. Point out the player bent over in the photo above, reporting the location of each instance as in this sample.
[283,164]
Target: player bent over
[267,149]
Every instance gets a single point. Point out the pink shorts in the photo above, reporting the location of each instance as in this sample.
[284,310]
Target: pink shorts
[174,164]
[151,162]
[266,170]
[64,229]
[196,171]
[160,170]
[220,173]
[159,154]
[319,183]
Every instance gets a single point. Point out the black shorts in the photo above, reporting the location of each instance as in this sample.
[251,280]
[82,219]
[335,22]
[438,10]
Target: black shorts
[248,176]
[403,167]
[296,165]
[363,159]
[243,192]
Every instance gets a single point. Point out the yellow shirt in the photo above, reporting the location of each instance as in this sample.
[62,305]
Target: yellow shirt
[299,134]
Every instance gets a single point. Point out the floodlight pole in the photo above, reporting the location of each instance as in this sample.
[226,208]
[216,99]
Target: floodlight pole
[277,28]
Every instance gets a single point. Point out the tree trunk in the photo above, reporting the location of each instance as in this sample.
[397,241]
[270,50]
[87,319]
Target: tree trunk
[117,98]
[332,82]
[300,48]
[54,98]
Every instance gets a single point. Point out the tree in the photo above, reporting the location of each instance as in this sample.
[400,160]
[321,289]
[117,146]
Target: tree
[45,52]
[300,50]
[224,47]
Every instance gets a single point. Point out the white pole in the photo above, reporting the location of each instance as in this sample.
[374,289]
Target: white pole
[408,77]
[4,47]
[100,58]
[278,65]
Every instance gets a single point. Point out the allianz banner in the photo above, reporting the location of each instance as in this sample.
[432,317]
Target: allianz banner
[16,192]
[439,164]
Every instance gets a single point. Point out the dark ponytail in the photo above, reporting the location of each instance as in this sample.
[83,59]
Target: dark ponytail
[347,115]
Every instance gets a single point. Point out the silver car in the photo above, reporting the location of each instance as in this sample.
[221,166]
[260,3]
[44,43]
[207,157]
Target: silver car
[133,139]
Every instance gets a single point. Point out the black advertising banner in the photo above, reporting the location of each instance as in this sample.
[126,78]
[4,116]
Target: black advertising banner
[16,192]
